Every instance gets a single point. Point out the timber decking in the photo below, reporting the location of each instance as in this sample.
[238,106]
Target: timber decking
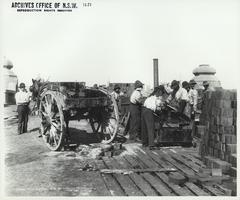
[186,181]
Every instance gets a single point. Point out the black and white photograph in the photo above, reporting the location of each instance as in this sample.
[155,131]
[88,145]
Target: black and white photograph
[119,98]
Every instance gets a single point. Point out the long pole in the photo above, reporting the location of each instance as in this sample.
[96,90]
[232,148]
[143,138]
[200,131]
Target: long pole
[155,72]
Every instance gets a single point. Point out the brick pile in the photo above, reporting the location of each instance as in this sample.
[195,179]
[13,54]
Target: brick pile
[218,130]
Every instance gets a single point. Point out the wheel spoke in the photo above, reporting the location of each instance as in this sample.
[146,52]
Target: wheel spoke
[52,120]
[55,140]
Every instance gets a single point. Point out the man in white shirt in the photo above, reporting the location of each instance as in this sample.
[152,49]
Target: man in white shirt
[135,111]
[22,101]
[179,96]
[153,103]
[193,97]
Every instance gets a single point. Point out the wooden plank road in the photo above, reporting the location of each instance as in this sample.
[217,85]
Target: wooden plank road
[144,182]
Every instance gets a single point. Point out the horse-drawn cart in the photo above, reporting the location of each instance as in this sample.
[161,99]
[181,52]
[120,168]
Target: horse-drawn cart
[60,102]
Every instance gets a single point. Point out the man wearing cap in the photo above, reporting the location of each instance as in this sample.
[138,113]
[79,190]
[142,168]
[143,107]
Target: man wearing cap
[179,96]
[22,101]
[136,99]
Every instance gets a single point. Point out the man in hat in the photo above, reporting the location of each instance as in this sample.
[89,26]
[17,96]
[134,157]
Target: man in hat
[193,97]
[178,97]
[116,95]
[22,101]
[116,92]
[155,102]
[193,102]
[136,100]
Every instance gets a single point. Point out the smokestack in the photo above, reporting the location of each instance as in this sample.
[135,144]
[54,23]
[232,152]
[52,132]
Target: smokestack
[155,72]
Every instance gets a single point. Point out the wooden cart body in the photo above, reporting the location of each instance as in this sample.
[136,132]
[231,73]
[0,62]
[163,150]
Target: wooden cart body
[60,102]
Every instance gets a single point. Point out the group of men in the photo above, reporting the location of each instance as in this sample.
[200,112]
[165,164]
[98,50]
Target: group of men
[142,110]
[183,98]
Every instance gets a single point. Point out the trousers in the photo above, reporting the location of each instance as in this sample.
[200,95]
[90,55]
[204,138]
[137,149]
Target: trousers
[23,111]
[135,121]
[147,127]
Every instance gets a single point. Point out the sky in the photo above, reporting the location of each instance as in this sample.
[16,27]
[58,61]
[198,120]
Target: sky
[116,41]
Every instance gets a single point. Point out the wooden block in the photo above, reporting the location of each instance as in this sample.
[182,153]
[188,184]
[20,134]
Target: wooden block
[233,172]
[221,103]
[231,148]
[205,171]
[226,112]
[233,94]
[216,172]
[214,179]
[233,159]
[220,164]
[230,139]
[176,178]
[229,130]
[234,104]
[202,175]
[108,153]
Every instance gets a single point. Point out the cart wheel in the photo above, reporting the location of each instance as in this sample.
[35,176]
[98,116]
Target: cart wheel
[109,128]
[52,125]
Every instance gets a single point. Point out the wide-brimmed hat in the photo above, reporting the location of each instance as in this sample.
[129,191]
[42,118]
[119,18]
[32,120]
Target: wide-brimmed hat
[205,83]
[138,84]
[174,83]
[192,82]
[22,85]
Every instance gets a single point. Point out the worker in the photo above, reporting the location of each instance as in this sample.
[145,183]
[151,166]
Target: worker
[152,104]
[193,103]
[22,101]
[193,97]
[205,85]
[178,97]
[185,85]
[116,94]
[203,96]
[136,100]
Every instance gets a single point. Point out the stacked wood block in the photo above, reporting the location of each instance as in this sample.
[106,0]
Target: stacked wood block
[218,129]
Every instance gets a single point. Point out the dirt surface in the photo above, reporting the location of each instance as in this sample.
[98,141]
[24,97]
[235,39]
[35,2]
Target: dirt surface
[31,169]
